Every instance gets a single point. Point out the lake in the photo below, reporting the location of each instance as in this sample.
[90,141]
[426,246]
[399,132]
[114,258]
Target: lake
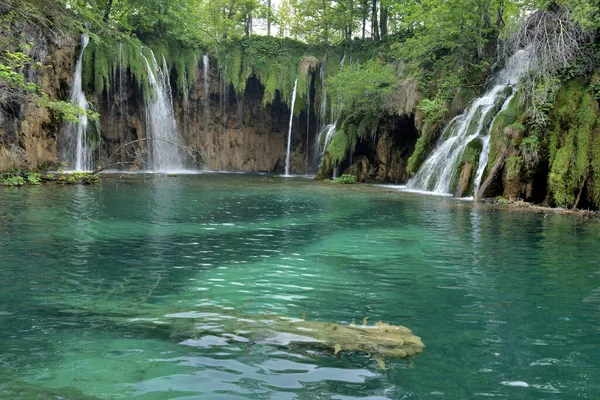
[506,303]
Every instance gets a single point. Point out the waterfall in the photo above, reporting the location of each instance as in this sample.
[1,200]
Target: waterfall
[436,172]
[205,66]
[164,144]
[122,93]
[323,105]
[209,138]
[330,132]
[289,141]
[307,148]
[205,69]
[76,151]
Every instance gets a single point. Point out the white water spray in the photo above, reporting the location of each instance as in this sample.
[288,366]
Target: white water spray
[77,153]
[165,154]
[289,141]
[435,174]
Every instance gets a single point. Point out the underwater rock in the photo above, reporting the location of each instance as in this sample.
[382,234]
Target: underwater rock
[379,340]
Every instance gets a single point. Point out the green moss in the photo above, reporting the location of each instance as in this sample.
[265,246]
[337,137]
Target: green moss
[452,129]
[106,55]
[498,139]
[103,57]
[595,165]
[572,148]
[470,155]
[513,167]
[474,124]
[338,148]
[423,145]
[278,62]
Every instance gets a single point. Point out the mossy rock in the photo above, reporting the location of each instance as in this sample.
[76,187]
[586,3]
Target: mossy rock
[573,149]
[463,177]
[326,168]
[424,144]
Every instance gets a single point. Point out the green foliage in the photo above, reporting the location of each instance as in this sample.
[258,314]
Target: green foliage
[15,87]
[77,178]
[345,179]
[15,180]
[33,178]
[422,147]
[106,55]
[508,118]
[278,62]
[530,148]
[338,148]
[450,43]
[362,87]
[275,63]
[433,110]
[513,167]
[571,145]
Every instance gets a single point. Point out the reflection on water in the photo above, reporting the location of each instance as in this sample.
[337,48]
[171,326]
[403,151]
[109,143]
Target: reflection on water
[129,288]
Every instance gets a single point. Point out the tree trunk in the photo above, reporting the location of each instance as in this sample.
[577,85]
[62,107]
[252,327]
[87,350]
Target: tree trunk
[269,18]
[374,22]
[247,22]
[107,10]
[350,19]
[365,13]
[383,17]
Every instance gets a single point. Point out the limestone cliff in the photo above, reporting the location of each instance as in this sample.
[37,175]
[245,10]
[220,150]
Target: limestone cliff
[29,133]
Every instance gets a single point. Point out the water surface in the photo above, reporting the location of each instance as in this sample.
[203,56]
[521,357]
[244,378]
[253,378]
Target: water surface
[506,303]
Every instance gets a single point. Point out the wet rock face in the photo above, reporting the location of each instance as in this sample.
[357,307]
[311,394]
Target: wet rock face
[29,133]
[240,134]
[383,157]
[463,180]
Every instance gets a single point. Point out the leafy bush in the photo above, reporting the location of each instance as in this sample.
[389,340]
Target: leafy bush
[33,178]
[14,181]
[346,179]
[363,87]
[433,110]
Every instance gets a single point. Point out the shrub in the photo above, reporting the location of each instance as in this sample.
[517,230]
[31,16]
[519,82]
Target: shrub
[346,179]
[14,181]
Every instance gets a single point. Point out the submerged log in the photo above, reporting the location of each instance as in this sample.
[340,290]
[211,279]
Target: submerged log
[379,340]
[210,326]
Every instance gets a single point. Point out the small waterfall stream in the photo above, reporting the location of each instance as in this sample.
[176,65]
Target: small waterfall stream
[206,105]
[330,132]
[435,174]
[122,92]
[164,144]
[76,150]
[289,140]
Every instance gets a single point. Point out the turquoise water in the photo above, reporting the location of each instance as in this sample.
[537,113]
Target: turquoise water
[95,278]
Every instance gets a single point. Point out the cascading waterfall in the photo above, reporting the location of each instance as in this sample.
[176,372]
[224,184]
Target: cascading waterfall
[323,105]
[122,92]
[485,149]
[209,137]
[76,152]
[289,141]
[205,69]
[164,144]
[308,82]
[322,113]
[330,132]
[435,175]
